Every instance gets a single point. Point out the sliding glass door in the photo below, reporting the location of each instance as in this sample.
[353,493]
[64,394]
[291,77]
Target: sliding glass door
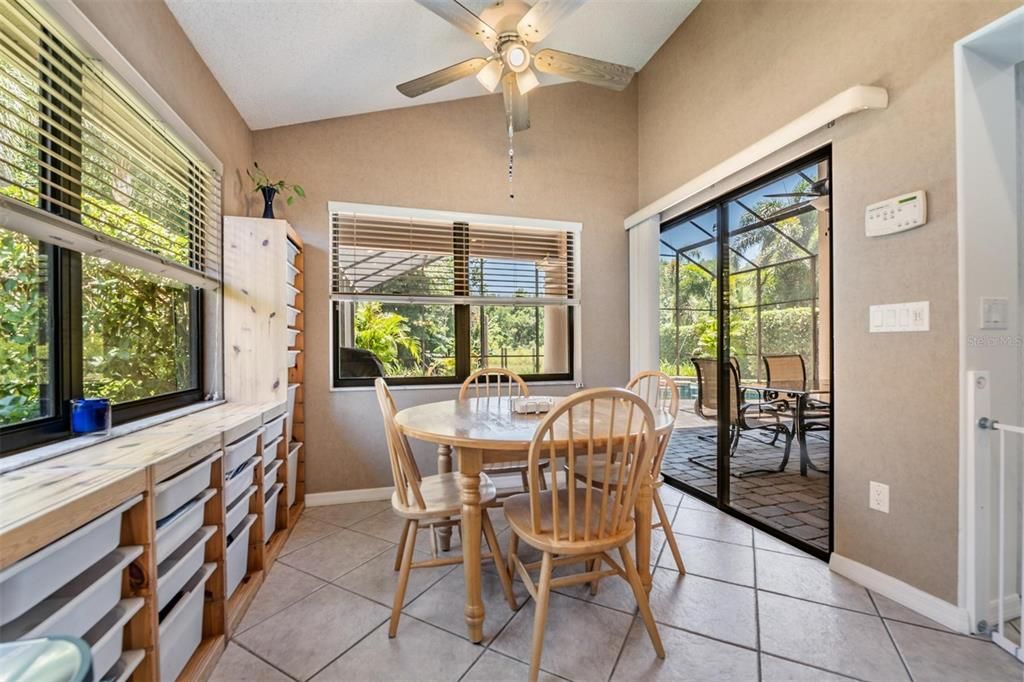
[753,358]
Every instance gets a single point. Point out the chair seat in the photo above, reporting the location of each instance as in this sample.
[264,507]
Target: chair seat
[599,474]
[517,513]
[441,496]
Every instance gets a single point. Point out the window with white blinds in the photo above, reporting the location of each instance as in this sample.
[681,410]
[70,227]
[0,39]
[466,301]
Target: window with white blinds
[463,259]
[79,152]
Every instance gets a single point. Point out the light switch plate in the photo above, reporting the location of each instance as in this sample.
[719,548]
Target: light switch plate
[900,317]
[896,215]
[994,313]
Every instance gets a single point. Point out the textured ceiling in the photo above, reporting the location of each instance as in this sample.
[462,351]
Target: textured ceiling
[291,61]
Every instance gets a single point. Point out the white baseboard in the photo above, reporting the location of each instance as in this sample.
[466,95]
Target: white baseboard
[348,496]
[928,605]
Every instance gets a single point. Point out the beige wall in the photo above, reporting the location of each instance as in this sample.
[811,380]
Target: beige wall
[738,69]
[578,162]
[149,37]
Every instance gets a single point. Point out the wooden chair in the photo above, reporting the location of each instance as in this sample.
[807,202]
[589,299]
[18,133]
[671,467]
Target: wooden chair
[583,524]
[497,382]
[660,393]
[434,502]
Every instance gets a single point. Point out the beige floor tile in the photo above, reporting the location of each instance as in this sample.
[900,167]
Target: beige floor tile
[337,554]
[709,607]
[670,497]
[892,610]
[713,559]
[778,670]
[377,578]
[387,525]
[765,541]
[613,592]
[809,579]
[283,587]
[306,531]
[835,639]
[934,655]
[687,657]
[717,526]
[347,514]
[311,633]
[444,603]
[419,652]
[581,640]
[238,665]
[495,667]
[690,502]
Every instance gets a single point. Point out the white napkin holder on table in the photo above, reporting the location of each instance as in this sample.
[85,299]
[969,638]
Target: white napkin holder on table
[528,405]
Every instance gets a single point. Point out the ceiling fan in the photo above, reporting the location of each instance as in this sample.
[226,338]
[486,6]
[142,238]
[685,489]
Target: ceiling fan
[509,28]
[816,195]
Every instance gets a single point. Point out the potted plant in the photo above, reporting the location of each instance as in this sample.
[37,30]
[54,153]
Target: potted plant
[270,189]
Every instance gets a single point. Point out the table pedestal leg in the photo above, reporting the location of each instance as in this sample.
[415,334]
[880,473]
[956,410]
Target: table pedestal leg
[470,463]
[444,466]
[644,504]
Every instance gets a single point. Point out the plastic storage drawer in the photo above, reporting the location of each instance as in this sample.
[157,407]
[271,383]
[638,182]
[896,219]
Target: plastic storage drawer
[293,390]
[175,492]
[106,638]
[270,452]
[273,428]
[291,273]
[270,474]
[293,472]
[179,527]
[293,357]
[293,337]
[239,508]
[181,630]
[56,564]
[76,607]
[182,564]
[291,295]
[293,251]
[125,666]
[238,452]
[238,554]
[293,315]
[236,485]
[270,512]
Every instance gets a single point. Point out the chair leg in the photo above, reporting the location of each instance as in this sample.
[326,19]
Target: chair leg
[499,562]
[641,600]
[593,565]
[540,616]
[666,527]
[513,550]
[526,480]
[401,544]
[403,578]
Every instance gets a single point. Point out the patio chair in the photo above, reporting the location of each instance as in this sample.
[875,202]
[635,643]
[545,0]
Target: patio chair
[788,371]
[743,416]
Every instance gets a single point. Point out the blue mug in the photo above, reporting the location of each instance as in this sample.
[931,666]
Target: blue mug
[90,415]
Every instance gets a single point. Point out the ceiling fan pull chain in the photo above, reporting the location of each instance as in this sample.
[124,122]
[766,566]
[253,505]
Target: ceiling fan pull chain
[511,159]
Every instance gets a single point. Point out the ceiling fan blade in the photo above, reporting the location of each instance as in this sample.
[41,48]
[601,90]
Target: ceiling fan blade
[516,110]
[542,17]
[584,69]
[450,74]
[463,18]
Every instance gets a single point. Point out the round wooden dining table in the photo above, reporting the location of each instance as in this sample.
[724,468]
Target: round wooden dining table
[485,430]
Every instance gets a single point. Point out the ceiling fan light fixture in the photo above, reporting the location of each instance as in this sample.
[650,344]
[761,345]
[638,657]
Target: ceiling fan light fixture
[526,81]
[490,75]
[516,57]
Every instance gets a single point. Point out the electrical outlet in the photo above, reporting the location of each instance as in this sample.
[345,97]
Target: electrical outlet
[878,497]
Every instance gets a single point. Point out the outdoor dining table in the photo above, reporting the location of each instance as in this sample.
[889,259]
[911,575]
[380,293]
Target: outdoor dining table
[485,430]
[800,399]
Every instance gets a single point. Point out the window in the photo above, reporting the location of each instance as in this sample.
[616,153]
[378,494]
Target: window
[431,298]
[110,233]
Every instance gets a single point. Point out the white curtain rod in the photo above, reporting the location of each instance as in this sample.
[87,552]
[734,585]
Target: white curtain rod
[849,101]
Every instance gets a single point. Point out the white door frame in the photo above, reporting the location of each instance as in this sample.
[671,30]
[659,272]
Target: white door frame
[988,205]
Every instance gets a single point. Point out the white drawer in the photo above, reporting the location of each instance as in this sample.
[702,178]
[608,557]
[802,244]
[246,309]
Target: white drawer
[291,293]
[291,273]
[56,564]
[125,666]
[178,491]
[273,429]
[293,357]
[270,474]
[236,453]
[293,472]
[181,630]
[106,638]
[174,571]
[238,509]
[76,607]
[293,389]
[293,315]
[293,251]
[237,484]
[178,527]
[238,554]
[270,451]
[293,338]
[270,512]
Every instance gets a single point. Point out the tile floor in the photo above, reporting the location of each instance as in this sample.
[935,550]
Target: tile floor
[749,608]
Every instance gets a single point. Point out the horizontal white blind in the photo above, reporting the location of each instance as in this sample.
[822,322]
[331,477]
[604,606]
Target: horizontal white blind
[75,144]
[389,257]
